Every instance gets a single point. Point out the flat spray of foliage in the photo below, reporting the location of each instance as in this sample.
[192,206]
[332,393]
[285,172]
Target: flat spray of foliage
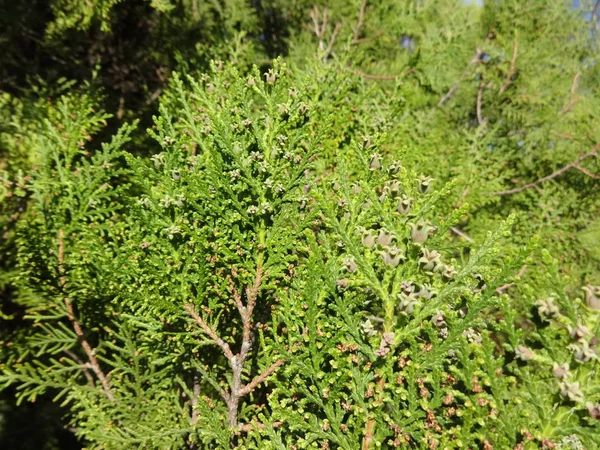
[386,242]
[226,292]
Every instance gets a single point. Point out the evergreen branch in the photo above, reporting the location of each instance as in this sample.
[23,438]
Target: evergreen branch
[453,89]
[319,30]
[238,360]
[247,389]
[359,24]
[222,392]
[572,99]
[363,40]
[83,366]
[329,48]
[381,77]
[586,172]
[258,426]
[94,364]
[504,287]
[462,234]
[196,396]
[209,331]
[356,32]
[573,165]
[512,69]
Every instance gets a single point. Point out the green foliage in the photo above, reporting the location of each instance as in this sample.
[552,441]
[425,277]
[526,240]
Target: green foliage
[385,238]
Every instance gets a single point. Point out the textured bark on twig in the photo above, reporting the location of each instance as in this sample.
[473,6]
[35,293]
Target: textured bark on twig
[462,234]
[84,366]
[320,27]
[329,48]
[368,438]
[94,365]
[572,99]
[382,77]
[195,397]
[513,67]
[504,287]
[559,172]
[236,361]
[359,24]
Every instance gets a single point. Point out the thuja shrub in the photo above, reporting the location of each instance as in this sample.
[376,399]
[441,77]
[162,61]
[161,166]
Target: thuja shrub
[266,282]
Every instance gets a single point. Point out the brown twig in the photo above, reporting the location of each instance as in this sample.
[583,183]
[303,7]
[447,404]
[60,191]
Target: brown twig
[572,99]
[257,426]
[195,397]
[121,109]
[94,365]
[370,425]
[573,165]
[563,136]
[504,287]
[367,39]
[209,331]
[463,195]
[320,27]
[195,13]
[154,95]
[382,77]
[586,172]
[453,89]
[449,94]
[513,67]
[462,234]
[237,361]
[248,388]
[84,366]
[329,48]
[359,24]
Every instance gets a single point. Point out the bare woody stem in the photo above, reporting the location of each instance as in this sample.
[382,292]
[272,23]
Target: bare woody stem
[329,48]
[94,365]
[513,67]
[236,361]
[196,396]
[381,77]
[369,433]
[572,99]
[506,286]
[452,90]
[370,425]
[574,165]
[258,426]
[320,27]
[84,366]
[209,331]
[359,24]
